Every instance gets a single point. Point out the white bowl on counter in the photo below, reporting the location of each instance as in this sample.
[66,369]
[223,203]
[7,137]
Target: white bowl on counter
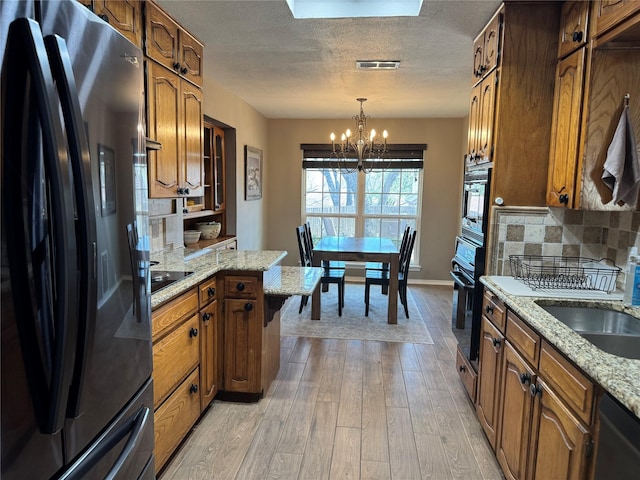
[191,236]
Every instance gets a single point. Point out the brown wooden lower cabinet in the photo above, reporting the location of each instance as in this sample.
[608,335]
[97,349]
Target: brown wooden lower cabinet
[173,419]
[516,407]
[242,350]
[560,442]
[491,351]
[536,408]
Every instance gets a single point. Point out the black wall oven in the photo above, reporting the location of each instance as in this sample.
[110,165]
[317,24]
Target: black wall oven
[468,263]
[475,204]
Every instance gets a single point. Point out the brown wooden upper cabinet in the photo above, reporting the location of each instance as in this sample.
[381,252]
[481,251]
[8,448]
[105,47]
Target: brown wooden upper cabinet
[512,102]
[609,13]
[174,118]
[591,84]
[123,15]
[171,45]
[486,49]
[563,156]
[573,27]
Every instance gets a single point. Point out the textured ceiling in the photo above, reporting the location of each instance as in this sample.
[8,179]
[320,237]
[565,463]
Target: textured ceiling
[305,68]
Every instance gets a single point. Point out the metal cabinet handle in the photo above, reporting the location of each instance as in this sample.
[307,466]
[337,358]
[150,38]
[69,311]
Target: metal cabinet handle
[536,390]
[462,368]
[193,332]
[496,342]
[489,309]
[206,316]
[193,388]
[248,307]
[240,287]
[211,291]
[525,378]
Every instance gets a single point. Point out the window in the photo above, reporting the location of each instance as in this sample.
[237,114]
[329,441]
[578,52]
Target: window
[379,203]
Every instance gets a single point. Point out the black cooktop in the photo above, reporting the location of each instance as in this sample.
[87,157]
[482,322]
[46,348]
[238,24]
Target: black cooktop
[162,278]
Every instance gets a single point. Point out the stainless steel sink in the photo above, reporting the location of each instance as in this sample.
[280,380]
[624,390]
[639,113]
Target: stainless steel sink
[614,332]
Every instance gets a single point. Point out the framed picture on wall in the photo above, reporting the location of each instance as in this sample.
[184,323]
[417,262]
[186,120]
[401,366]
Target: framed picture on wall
[252,173]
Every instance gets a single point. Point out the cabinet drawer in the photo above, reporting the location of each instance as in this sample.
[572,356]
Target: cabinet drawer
[237,286]
[467,374]
[526,341]
[174,357]
[494,309]
[173,419]
[572,385]
[207,291]
[169,315]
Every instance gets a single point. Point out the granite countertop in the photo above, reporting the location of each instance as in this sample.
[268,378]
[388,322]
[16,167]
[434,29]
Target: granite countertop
[288,281]
[618,375]
[207,264]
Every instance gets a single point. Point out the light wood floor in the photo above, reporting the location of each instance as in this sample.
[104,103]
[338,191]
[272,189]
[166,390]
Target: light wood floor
[349,409]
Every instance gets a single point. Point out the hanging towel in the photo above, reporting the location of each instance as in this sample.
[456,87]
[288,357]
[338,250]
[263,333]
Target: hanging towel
[621,168]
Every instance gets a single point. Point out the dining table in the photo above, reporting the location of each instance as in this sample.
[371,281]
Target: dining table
[359,249]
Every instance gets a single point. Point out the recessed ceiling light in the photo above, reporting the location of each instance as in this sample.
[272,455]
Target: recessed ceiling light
[377,64]
[354,8]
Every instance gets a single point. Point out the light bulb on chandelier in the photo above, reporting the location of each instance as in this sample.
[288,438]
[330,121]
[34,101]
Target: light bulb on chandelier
[365,145]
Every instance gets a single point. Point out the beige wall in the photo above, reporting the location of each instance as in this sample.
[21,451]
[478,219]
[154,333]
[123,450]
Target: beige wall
[441,196]
[269,223]
[251,129]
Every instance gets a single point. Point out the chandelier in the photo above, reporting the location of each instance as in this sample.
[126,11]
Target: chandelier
[364,144]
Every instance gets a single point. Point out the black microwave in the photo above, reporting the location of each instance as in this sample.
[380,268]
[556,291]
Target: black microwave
[475,204]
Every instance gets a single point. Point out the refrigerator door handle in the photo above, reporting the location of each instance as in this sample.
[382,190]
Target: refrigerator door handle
[80,160]
[134,427]
[49,369]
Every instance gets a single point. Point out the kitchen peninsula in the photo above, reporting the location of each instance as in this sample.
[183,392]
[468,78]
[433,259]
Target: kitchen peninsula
[216,332]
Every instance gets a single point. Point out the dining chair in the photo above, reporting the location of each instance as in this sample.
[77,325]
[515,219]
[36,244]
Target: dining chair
[385,266]
[381,277]
[332,264]
[329,275]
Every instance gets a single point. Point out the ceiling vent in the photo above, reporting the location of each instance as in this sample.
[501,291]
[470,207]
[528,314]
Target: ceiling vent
[377,64]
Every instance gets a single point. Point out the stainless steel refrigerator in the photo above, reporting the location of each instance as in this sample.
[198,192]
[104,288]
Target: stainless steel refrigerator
[76,389]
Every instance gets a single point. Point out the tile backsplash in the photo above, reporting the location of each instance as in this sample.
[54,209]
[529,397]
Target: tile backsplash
[558,231]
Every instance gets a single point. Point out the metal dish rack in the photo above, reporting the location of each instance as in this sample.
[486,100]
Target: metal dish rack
[555,272]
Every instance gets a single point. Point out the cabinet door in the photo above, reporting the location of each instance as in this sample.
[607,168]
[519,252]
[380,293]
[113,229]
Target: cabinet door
[567,108]
[573,27]
[492,43]
[474,123]
[491,348]
[192,173]
[208,354]
[516,407]
[190,58]
[219,169]
[487,115]
[123,15]
[478,59]
[165,126]
[161,37]
[243,346]
[559,440]
[609,13]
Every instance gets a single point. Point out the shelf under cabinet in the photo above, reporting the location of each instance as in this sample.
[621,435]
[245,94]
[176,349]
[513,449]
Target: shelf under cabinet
[201,213]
